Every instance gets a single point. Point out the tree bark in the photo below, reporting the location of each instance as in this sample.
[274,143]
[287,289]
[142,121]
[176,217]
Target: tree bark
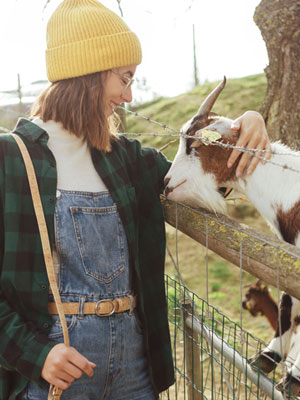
[279,23]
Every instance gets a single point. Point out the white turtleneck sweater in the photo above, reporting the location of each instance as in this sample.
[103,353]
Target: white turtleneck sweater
[75,169]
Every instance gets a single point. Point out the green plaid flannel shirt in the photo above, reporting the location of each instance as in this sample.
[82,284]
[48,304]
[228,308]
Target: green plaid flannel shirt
[134,177]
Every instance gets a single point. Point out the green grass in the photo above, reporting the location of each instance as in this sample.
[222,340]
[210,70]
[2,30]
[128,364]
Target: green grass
[238,96]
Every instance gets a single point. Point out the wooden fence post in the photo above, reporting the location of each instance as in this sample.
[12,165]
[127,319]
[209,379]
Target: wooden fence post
[264,256]
[192,355]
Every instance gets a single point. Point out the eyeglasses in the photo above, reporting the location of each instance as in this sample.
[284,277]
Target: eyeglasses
[126,81]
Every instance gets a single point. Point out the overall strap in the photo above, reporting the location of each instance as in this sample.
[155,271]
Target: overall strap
[54,392]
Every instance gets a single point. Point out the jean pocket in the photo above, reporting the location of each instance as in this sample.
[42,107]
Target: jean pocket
[101,241]
[57,330]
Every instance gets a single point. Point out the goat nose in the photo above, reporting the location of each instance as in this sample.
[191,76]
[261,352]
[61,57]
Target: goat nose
[168,190]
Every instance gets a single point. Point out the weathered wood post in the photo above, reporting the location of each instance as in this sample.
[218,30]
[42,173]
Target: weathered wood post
[192,355]
[264,256]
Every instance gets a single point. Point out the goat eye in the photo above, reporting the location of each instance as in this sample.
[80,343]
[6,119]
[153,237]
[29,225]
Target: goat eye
[189,141]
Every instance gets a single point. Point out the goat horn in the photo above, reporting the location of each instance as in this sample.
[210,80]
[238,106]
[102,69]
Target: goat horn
[208,103]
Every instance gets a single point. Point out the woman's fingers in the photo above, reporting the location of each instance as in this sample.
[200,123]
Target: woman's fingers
[60,383]
[79,363]
[253,136]
[266,155]
[65,364]
[245,157]
[64,376]
[72,370]
[242,141]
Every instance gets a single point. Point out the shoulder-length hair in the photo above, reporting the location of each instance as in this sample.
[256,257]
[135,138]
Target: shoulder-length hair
[78,104]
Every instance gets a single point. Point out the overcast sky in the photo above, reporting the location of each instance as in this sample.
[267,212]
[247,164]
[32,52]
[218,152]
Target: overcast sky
[227,40]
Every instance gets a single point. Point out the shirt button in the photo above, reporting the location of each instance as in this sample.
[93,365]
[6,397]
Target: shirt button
[44,287]
[51,200]
[46,325]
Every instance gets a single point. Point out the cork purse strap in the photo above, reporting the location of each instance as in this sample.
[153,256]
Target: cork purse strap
[54,392]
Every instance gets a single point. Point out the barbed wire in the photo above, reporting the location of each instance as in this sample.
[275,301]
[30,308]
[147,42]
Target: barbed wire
[150,120]
[177,133]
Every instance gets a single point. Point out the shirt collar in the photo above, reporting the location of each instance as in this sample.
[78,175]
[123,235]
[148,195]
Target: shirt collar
[29,130]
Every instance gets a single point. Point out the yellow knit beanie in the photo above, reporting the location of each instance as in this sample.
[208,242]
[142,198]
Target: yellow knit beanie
[84,37]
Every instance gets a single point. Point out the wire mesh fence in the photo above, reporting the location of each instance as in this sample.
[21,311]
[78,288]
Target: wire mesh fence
[211,353]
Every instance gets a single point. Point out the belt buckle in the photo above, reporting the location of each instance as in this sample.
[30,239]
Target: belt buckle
[107,314]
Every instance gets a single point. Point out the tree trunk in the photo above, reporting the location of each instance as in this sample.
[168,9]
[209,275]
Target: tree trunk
[279,22]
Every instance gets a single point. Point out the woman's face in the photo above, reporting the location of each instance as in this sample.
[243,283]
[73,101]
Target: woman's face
[117,87]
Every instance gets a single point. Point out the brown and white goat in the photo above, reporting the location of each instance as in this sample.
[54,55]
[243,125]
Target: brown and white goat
[196,175]
[259,300]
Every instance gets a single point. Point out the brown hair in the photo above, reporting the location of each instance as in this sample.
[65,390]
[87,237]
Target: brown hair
[77,103]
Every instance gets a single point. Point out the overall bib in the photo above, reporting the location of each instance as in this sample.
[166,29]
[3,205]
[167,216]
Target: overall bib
[94,266]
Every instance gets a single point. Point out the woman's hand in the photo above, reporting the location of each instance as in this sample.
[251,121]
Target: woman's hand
[65,364]
[253,135]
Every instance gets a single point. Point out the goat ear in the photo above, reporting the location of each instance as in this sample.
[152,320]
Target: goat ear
[195,144]
[261,286]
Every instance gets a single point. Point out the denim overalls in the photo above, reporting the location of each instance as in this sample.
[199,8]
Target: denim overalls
[93,251]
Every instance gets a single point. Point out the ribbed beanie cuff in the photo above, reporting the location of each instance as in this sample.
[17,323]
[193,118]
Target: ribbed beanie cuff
[84,37]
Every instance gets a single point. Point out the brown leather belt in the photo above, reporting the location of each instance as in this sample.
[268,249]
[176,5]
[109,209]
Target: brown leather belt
[101,308]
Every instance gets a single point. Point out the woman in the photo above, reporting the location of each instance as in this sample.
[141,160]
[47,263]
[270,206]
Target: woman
[100,194]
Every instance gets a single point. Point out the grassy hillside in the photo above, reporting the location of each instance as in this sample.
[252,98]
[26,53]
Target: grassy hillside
[238,96]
